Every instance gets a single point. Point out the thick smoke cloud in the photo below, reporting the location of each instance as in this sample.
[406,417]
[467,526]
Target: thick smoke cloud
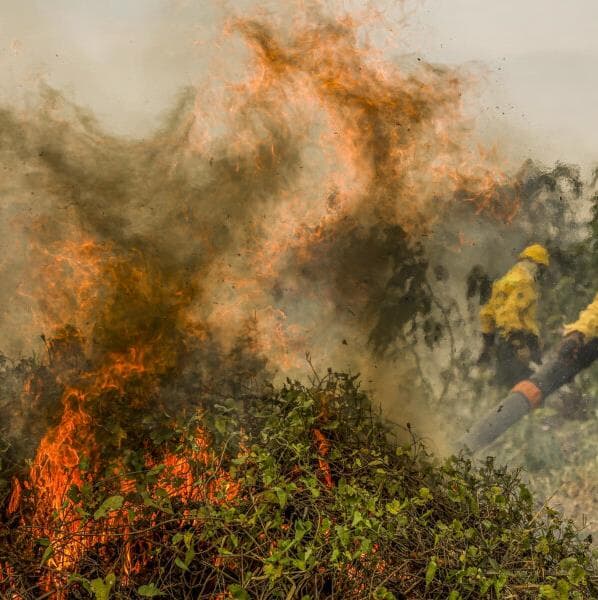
[303,208]
[295,207]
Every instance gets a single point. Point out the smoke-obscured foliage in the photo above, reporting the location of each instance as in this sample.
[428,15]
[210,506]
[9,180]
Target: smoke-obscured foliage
[320,209]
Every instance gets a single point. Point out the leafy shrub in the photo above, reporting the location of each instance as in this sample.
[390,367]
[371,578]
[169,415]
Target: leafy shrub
[310,496]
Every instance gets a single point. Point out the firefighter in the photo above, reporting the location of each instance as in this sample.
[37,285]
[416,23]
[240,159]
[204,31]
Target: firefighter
[577,351]
[580,342]
[508,320]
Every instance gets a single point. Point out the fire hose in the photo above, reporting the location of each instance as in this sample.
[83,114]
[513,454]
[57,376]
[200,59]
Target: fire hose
[528,395]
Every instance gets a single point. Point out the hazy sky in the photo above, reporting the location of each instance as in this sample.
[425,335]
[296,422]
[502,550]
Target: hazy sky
[126,59]
[542,60]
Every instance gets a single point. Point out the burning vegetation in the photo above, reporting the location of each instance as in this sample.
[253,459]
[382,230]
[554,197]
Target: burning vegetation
[246,501]
[173,279]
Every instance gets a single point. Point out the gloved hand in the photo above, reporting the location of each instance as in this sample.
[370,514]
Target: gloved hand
[524,354]
[571,345]
[526,347]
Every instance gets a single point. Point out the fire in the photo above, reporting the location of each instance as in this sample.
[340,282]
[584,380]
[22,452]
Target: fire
[186,248]
[386,129]
[64,287]
[128,353]
[69,458]
[387,148]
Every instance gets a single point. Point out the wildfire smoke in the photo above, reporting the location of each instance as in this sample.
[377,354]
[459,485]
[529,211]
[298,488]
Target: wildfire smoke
[249,234]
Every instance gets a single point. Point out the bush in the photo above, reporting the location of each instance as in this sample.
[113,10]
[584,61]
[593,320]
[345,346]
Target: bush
[301,493]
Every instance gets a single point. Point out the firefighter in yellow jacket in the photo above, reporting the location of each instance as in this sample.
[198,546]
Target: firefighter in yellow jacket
[577,351]
[508,320]
[586,326]
[580,342]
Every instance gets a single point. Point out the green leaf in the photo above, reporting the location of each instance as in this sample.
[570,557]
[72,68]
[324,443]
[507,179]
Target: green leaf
[431,570]
[485,586]
[301,528]
[299,564]
[562,588]
[109,505]
[220,424]
[73,493]
[282,497]
[500,583]
[547,592]
[48,553]
[188,539]
[177,537]
[189,556]
[101,587]
[273,572]
[542,546]
[149,591]
[357,518]
[181,565]
[238,592]
[576,575]
[424,494]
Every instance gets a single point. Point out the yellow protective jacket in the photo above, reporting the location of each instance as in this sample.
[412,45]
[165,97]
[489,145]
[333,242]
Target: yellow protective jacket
[513,304]
[587,322]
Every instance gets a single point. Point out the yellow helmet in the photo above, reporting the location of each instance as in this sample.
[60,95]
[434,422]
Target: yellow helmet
[536,253]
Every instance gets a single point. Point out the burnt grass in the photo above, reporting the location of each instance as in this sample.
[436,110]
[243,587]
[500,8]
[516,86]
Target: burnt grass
[326,503]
